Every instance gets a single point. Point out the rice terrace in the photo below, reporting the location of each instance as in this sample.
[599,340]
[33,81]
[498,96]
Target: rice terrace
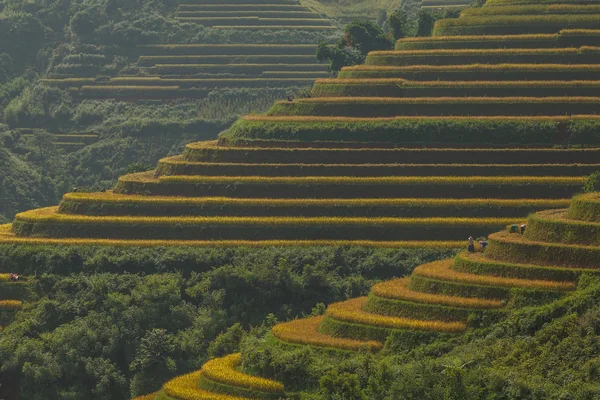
[300,199]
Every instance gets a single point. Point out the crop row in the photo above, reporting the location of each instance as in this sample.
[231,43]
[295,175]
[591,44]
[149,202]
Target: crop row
[10,304]
[153,84]
[305,332]
[178,168]
[514,24]
[478,264]
[229,14]
[396,58]
[308,208]
[151,396]
[276,27]
[33,224]
[533,10]
[227,49]
[185,387]
[515,248]
[248,69]
[554,226]
[286,152]
[505,3]
[442,271]
[247,7]
[256,21]
[371,88]
[433,106]
[534,41]
[240,2]
[476,72]
[585,208]
[352,311]
[224,371]
[397,289]
[227,59]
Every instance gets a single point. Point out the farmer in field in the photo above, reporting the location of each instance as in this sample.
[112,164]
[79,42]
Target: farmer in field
[13,277]
[471,246]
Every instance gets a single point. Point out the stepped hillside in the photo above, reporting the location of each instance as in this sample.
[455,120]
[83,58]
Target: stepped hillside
[168,71]
[444,138]
[440,300]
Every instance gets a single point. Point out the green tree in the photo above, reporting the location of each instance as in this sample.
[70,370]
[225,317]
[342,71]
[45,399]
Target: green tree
[227,342]
[398,23]
[341,386]
[153,362]
[425,22]
[593,183]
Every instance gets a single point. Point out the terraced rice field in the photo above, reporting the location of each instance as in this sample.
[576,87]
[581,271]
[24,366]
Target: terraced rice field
[66,141]
[194,70]
[441,299]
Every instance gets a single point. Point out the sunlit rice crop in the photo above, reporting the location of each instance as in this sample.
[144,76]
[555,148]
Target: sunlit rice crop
[10,304]
[223,370]
[185,387]
[441,270]
[397,289]
[49,215]
[305,331]
[352,311]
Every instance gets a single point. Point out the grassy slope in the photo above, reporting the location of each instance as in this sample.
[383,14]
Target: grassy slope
[346,8]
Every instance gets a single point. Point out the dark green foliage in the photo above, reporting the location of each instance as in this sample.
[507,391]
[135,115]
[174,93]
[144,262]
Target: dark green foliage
[425,22]
[593,183]
[110,336]
[338,56]
[398,24]
[227,342]
[335,385]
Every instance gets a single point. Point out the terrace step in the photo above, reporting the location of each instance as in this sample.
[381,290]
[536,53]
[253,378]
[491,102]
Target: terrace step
[254,22]
[296,152]
[563,39]
[147,61]
[394,298]
[479,264]
[232,14]
[249,69]
[226,49]
[109,203]
[221,376]
[349,320]
[306,331]
[48,223]
[439,278]
[178,166]
[555,226]
[349,187]
[515,248]
[569,55]
[476,72]
[432,106]
[250,7]
[422,89]
[585,208]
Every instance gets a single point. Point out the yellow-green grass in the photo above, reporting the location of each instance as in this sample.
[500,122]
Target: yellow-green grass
[555,226]
[49,215]
[442,271]
[305,332]
[351,311]
[342,9]
[516,248]
[514,24]
[4,277]
[533,10]
[185,387]
[253,6]
[433,106]
[398,289]
[9,238]
[585,208]
[311,118]
[224,371]
[452,84]
[229,14]
[478,263]
[245,68]
[476,71]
